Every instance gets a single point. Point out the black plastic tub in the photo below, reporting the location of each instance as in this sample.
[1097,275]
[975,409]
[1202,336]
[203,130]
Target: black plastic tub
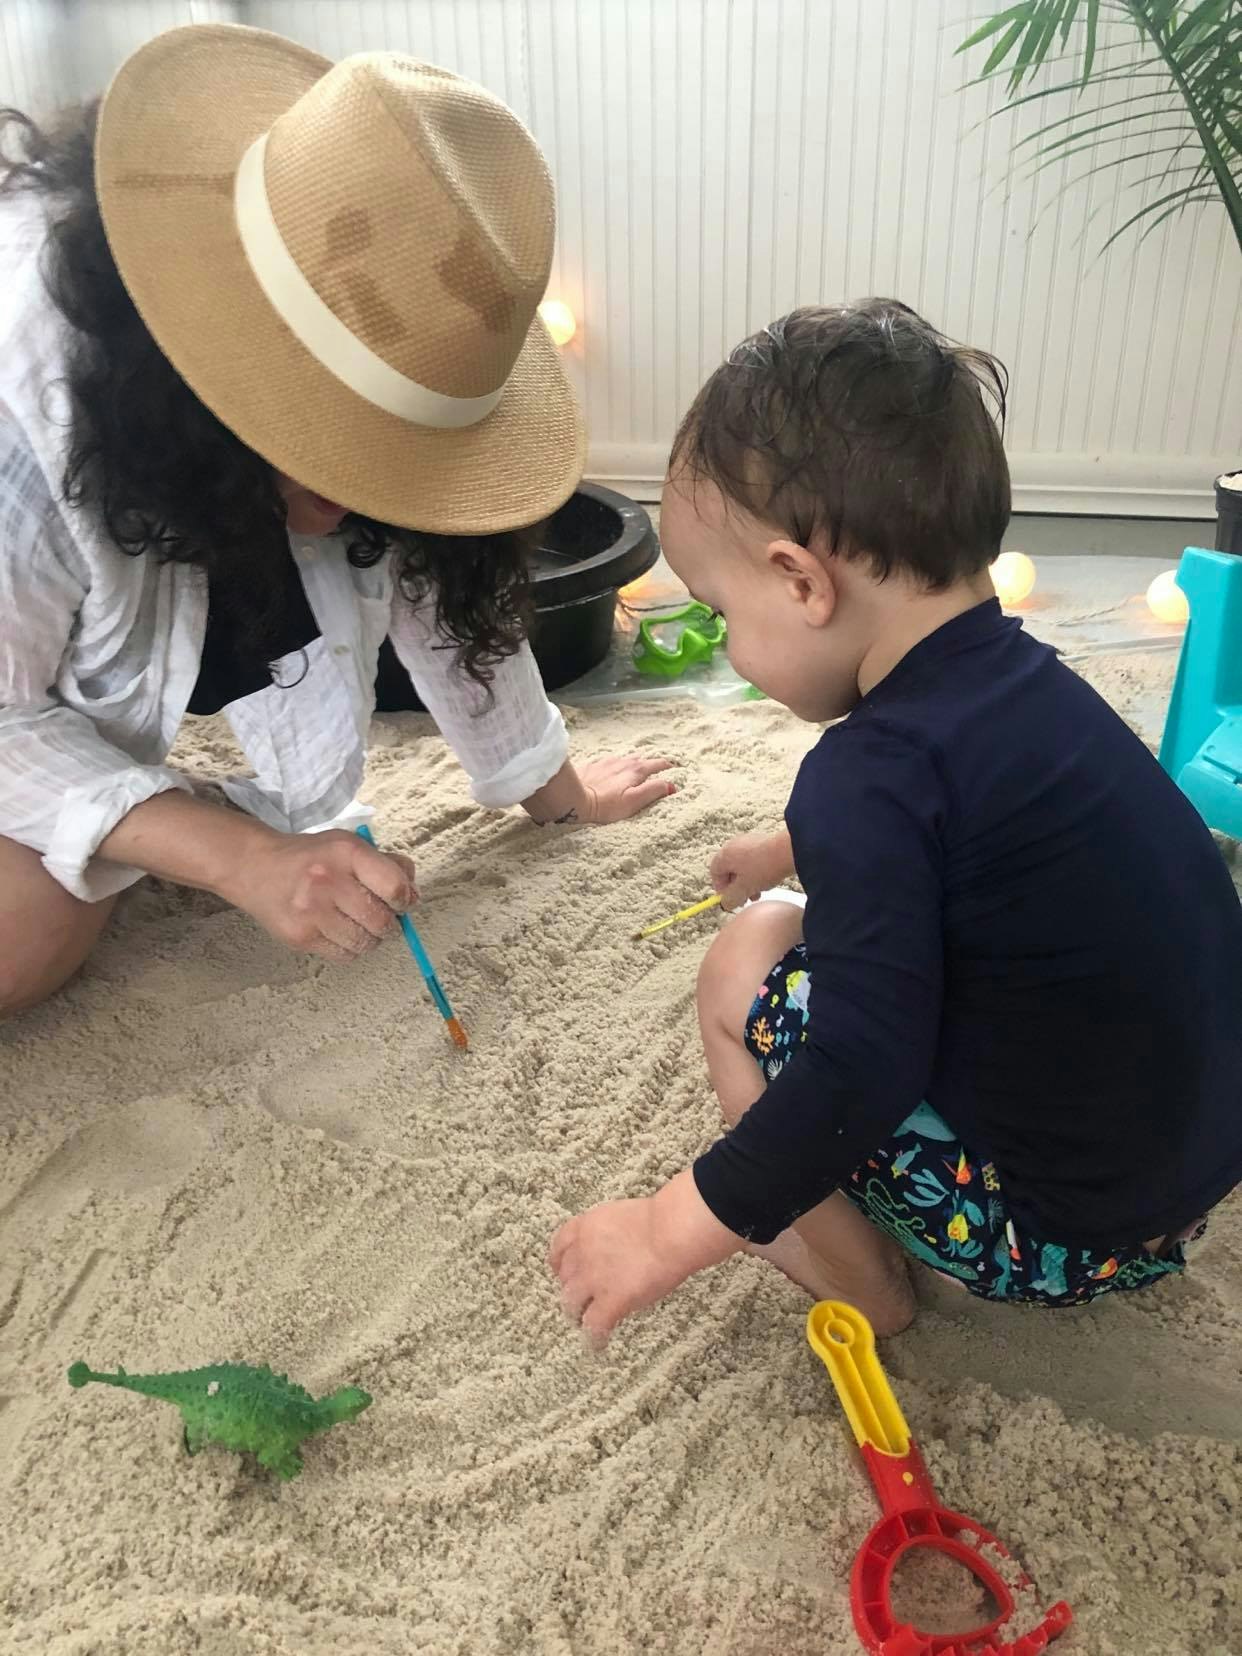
[1229,514]
[597,542]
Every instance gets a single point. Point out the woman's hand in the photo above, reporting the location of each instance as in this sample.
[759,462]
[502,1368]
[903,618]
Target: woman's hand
[330,894]
[749,864]
[327,894]
[618,1258]
[601,790]
[620,788]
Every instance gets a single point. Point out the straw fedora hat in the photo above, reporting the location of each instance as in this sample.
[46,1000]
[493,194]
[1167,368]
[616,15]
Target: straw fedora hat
[344,263]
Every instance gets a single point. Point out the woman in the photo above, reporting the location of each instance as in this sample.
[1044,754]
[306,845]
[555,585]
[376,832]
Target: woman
[259,306]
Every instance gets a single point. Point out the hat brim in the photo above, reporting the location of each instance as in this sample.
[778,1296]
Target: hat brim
[174,124]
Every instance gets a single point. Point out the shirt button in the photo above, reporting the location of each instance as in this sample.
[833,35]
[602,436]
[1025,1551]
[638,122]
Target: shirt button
[308,552]
[340,649]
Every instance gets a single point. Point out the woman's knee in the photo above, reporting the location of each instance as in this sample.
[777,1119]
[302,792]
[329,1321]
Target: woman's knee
[20,989]
[27,984]
[45,933]
[32,975]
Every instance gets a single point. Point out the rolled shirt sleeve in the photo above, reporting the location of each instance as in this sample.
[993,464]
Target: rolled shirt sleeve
[63,786]
[511,741]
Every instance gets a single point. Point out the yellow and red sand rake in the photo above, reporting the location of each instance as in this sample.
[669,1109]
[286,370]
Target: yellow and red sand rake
[911,1514]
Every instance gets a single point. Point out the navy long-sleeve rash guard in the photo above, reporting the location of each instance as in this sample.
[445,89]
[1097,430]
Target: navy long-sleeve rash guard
[1013,914]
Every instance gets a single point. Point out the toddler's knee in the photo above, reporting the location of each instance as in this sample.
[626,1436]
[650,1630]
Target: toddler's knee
[743,952]
[755,938]
[721,967]
[712,966]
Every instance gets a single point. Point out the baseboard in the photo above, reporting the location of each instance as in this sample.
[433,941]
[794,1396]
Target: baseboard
[1106,485]
[1117,485]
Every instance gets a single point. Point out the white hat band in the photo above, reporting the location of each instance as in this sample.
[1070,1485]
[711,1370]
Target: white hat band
[345,356]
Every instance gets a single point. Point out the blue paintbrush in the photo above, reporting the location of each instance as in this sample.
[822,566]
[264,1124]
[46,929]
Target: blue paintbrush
[423,962]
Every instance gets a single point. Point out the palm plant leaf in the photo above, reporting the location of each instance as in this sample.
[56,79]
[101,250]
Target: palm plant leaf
[1194,52]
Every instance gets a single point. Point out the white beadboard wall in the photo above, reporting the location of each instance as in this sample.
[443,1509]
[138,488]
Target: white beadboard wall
[719,161]
[52,51]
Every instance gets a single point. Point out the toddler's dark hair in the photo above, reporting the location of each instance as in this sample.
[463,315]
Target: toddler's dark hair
[862,428]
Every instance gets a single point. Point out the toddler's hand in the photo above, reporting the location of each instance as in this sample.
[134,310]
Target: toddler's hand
[622,1256]
[749,864]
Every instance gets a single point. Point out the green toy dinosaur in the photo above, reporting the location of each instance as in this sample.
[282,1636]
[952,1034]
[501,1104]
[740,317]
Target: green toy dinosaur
[245,1409]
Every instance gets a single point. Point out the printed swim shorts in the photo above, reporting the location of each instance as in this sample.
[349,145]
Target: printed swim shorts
[934,1196]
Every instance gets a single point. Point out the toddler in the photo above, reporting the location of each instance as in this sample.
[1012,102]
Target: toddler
[1004,1037]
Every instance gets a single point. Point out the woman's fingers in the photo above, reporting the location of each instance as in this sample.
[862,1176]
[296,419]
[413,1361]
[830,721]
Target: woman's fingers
[342,930]
[324,949]
[411,874]
[646,767]
[365,909]
[388,876]
[619,786]
[618,764]
[641,794]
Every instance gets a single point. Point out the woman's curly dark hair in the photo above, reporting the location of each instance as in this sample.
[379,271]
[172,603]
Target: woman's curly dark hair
[168,478]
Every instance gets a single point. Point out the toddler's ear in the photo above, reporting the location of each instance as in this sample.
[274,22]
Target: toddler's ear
[807,581]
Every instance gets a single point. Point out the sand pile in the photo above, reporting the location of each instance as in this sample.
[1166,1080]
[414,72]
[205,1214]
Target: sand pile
[213,1149]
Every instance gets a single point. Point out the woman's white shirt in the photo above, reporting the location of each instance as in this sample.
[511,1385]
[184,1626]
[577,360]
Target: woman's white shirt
[99,650]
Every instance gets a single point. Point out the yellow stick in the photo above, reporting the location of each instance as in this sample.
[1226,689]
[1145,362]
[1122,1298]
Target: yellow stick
[682,914]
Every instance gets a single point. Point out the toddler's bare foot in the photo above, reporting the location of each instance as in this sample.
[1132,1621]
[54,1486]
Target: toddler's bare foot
[880,1289]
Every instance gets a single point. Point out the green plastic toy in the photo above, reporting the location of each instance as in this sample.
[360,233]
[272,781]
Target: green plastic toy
[702,632]
[245,1409]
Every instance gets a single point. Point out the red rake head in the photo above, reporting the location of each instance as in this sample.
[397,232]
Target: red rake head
[912,1515]
[939,1530]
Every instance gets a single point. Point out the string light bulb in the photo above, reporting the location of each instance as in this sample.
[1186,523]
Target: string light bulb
[637,588]
[559,320]
[1013,576]
[1166,600]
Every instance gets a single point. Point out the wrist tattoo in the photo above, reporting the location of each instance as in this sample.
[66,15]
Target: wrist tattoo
[571,815]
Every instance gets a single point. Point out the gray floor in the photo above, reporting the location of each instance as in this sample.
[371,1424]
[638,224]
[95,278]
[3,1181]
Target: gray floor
[1165,538]
[1089,603]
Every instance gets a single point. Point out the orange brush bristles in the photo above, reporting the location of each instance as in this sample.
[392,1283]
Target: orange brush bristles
[457,1032]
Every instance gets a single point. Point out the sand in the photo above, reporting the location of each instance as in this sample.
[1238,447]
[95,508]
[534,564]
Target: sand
[214,1149]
